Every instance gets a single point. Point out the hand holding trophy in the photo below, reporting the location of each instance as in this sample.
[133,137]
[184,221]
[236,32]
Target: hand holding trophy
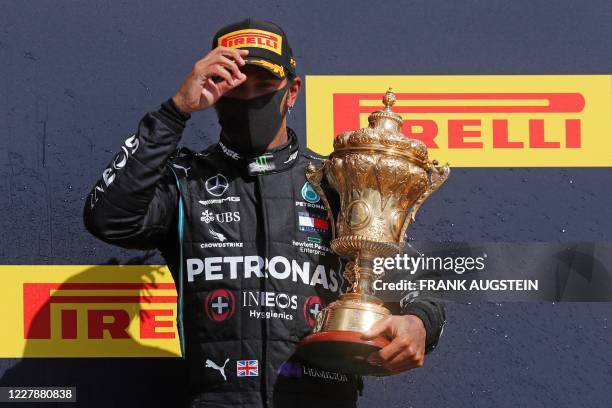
[382,179]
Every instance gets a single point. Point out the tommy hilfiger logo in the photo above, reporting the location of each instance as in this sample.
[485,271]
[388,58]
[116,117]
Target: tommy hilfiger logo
[311,223]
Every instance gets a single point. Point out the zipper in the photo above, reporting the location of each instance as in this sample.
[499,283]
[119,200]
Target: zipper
[181,232]
[262,287]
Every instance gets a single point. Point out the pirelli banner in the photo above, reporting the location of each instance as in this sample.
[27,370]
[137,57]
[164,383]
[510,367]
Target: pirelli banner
[476,120]
[88,311]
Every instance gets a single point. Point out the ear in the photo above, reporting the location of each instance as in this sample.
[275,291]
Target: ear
[294,90]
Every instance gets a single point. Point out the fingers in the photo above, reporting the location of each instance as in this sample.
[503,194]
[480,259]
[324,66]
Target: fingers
[386,353]
[406,349]
[232,66]
[223,60]
[379,328]
[211,92]
[407,359]
[225,86]
[234,53]
[223,73]
[229,57]
[404,366]
[211,77]
[399,355]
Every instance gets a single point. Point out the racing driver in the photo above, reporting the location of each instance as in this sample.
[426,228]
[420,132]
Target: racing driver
[244,234]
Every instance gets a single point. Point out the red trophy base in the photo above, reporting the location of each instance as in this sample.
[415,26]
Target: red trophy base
[342,351]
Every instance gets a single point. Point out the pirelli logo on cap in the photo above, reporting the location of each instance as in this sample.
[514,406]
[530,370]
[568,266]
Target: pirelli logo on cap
[252,38]
[476,121]
[88,311]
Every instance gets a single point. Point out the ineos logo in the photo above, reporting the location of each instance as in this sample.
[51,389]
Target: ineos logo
[217,185]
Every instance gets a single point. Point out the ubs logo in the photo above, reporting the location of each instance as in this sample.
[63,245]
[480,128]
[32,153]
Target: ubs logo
[224,217]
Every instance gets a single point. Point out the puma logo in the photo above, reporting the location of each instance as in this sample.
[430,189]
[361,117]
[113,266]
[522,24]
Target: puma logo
[214,366]
[185,169]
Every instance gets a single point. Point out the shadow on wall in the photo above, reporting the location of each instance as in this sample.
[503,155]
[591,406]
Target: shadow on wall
[107,382]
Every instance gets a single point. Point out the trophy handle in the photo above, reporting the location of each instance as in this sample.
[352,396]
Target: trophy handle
[438,176]
[314,176]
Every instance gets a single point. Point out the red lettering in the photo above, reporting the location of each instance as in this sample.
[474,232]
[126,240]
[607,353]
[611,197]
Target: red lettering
[149,324]
[37,301]
[500,136]
[347,112]
[37,310]
[426,135]
[69,324]
[572,133]
[117,328]
[457,134]
[537,138]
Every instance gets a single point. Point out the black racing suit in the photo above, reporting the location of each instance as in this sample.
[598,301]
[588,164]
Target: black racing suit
[248,247]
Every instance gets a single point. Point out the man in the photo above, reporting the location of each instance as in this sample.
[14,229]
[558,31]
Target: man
[232,222]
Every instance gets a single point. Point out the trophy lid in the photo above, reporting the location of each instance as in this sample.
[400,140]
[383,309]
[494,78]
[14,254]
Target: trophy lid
[384,133]
[386,118]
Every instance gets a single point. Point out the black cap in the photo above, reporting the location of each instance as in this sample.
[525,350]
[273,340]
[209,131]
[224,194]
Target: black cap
[267,44]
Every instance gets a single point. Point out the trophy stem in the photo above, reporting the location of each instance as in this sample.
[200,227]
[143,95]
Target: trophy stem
[336,342]
[357,309]
[362,276]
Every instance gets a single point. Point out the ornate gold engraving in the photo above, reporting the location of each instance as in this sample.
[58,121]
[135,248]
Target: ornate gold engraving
[382,178]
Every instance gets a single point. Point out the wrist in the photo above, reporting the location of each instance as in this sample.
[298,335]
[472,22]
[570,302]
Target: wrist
[177,101]
[172,112]
[432,325]
[414,318]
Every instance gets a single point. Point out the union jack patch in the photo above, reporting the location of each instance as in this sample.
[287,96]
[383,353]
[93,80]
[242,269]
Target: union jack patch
[247,368]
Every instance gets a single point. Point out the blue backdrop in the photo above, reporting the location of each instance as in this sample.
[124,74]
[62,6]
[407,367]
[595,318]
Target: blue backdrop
[76,77]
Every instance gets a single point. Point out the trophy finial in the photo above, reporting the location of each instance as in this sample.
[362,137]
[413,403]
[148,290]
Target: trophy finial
[389,99]
[386,118]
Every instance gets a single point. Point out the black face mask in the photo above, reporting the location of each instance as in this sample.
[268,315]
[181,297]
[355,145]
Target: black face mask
[249,125]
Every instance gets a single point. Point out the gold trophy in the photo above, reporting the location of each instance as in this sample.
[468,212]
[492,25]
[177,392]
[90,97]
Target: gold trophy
[382,179]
